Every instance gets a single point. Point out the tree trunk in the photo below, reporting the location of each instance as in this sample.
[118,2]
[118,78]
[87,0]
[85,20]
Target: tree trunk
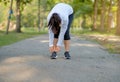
[109,20]
[118,19]
[18,17]
[95,15]
[9,17]
[39,15]
[102,16]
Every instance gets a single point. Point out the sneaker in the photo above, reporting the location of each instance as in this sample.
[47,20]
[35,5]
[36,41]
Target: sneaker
[67,55]
[54,55]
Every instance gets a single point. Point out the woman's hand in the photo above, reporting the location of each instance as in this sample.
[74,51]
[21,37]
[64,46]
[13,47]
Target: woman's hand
[51,49]
[54,48]
[57,48]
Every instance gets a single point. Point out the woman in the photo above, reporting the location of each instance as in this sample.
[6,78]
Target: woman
[59,21]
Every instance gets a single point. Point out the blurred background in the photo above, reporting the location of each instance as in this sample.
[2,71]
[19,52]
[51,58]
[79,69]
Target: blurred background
[29,16]
[100,15]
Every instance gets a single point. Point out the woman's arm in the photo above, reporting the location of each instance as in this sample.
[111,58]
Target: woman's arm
[51,37]
[62,31]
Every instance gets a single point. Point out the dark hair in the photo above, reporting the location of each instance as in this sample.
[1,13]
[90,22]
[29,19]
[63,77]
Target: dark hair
[54,23]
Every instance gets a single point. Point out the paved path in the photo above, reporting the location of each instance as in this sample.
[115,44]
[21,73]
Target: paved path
[28,61]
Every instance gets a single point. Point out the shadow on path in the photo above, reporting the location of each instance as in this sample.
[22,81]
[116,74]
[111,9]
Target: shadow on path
[28,61]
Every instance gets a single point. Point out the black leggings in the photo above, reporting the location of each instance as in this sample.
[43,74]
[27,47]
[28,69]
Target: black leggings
[67,33]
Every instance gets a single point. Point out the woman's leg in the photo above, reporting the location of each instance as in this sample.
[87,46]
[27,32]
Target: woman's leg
[67,34]
[67,45]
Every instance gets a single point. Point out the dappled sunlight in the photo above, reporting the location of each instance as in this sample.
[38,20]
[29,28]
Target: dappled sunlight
[115,39]
[44,41]
[17,72]
[14,60]
[105,37]
[22,59]
[18,69]
[85,45]
[24,74]
[48,80]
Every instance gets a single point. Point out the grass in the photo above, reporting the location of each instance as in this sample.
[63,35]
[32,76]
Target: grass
[104,39]
[13,37]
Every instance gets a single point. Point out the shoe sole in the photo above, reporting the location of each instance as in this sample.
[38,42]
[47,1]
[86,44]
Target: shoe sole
[64,57]
[67,57]
[54,57]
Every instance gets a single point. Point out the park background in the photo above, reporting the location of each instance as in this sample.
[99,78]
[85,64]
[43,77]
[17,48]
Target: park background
[96,20]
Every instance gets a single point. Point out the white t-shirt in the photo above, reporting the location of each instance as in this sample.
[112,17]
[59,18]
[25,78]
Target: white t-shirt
[63,10]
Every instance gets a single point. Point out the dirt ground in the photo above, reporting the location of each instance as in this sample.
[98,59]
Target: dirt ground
[109,42]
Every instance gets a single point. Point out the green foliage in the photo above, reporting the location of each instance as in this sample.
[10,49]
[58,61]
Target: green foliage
[83,12]
[5,1]
[50,4]
[82,7]
[22,2]
[2,12]
[28,20]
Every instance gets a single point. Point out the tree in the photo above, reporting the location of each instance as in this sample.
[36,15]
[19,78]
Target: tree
[43,11]
[102,22]
[39,15]
[19,7]
[18,16]
[118,19]
[10,12]
[109,20]
[95,15]
[20,4]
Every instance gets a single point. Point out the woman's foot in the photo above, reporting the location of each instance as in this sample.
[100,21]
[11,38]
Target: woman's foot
[67,55]
[54,55]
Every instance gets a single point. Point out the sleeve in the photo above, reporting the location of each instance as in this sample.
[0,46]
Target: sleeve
[62,32]
[51,34]
[51,37]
